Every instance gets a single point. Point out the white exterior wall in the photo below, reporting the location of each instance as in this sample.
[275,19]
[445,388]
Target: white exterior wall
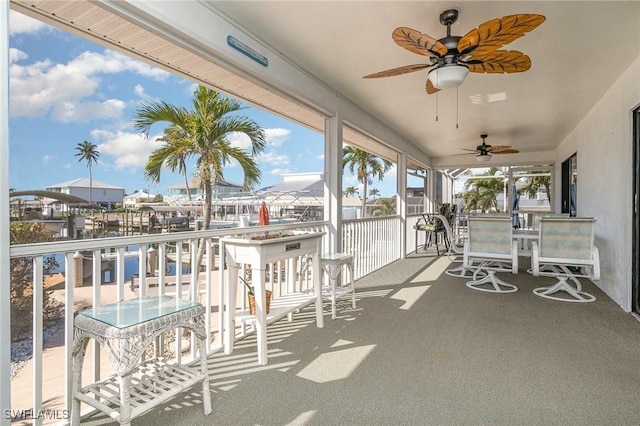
[99,195]
[603,142]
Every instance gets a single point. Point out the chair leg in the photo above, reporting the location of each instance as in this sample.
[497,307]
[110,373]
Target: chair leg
[498,286]
[576,294]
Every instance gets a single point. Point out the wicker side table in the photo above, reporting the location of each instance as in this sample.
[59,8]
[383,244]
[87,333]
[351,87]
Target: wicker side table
[124,330]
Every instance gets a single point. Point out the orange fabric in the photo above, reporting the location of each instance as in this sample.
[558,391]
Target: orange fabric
[263,215]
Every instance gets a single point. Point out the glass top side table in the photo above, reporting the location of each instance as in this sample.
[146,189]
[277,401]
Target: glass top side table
[125,329]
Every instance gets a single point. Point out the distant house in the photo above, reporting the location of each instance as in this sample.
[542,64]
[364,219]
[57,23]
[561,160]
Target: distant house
[178,193]
[133,201]
[103,194]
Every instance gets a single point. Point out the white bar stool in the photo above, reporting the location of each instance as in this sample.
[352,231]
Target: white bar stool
[332,264]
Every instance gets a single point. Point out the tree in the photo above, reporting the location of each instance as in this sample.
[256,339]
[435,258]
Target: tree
[366,166]
[385,207]
[203,133]
[88,152]
[533,184]
[481,191]
[22,276]
[351,191]
[173,154]
[374,192]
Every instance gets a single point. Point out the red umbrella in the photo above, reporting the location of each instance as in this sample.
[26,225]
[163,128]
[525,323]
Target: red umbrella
[263,215]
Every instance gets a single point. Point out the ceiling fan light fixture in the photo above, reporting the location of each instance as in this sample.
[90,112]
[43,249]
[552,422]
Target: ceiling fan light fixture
[448,76]
[483,158]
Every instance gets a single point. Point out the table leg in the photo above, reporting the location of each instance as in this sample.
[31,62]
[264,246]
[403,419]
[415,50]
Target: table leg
[125,399]
[78,361]
[353,286]
[317,288]
[257,278]
[231,294]
[206,392]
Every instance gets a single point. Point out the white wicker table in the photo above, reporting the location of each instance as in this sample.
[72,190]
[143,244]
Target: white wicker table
[124,330]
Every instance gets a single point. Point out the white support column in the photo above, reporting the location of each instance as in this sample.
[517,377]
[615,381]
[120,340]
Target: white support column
[333,182]
[5,274]
[401,200]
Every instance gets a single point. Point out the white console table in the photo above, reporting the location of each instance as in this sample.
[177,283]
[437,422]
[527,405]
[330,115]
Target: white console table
[258,253]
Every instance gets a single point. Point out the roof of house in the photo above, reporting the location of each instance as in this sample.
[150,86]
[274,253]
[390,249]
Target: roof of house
[59,196]
[140,193]
[84,183]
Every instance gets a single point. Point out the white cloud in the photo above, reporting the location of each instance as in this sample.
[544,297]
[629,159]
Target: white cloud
[48,158]
[239,140]
[67,91]
[22,24]
[139,91]
[130,150]
[275,137]
[16,55]
[273,158]
[86,111]
[280,171]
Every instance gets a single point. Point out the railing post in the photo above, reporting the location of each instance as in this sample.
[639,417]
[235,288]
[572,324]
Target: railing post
[152,259]
[77,266]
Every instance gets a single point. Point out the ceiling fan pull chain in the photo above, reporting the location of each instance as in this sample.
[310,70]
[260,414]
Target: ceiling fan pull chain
[436,106]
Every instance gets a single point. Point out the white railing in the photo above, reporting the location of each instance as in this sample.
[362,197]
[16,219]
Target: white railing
[373,242]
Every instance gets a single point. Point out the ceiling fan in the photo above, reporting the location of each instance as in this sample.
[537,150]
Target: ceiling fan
[453,57]
[484,151]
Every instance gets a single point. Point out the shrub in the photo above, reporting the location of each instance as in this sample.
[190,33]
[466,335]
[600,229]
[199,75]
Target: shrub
[22,277]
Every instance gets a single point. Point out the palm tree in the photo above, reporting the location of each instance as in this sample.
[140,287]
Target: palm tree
[374,192]
[202,133]
[366,166]
[88,152]
[533,184]
[481,192]
[173,154]
[351,191]
[385,207]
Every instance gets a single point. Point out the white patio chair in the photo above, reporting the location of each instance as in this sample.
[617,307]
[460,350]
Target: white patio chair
[490,243]
[565,250]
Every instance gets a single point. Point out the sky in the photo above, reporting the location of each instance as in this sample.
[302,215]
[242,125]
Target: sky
[65,90]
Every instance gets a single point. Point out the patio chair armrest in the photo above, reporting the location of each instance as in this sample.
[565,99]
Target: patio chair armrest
[535,258]
[596,263]
[514,261]
[465,254]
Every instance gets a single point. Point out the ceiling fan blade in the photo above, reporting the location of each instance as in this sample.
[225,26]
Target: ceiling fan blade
[431,89]
[506,151]
[398,71]
[416,42]
[498,62]
[494,34]
[492,148]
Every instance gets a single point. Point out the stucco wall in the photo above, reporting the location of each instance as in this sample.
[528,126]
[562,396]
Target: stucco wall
[603,142]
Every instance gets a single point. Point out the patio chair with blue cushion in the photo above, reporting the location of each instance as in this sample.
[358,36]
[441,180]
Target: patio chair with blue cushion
[490,247]
[566,250]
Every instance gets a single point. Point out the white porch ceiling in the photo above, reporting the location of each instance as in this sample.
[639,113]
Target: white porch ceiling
[576,55]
